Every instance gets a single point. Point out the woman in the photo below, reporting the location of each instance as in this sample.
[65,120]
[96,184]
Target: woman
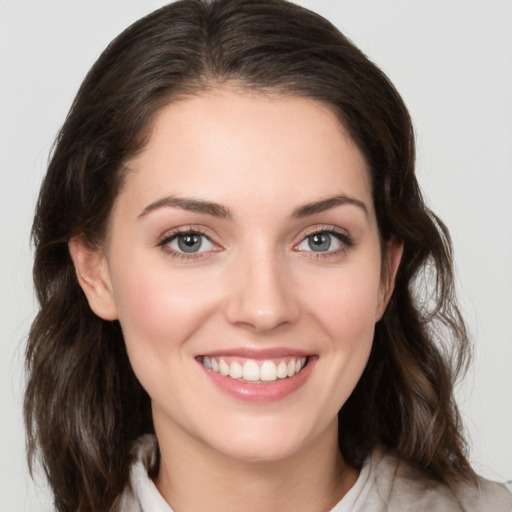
[227,244]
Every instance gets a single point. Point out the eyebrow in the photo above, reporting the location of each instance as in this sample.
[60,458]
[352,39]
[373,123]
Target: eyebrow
[219,211]
[327,204]
[191,205]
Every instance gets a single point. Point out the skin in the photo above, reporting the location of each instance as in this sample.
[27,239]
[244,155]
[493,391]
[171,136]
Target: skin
[256,283]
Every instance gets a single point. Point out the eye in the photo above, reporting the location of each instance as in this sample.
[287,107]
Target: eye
[190,242]
[325,241]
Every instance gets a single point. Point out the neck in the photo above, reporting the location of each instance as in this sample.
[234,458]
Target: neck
[195,477]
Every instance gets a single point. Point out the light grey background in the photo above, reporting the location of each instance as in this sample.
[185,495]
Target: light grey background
[452,62]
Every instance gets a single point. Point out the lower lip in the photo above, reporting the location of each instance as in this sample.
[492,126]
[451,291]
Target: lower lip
[262,392]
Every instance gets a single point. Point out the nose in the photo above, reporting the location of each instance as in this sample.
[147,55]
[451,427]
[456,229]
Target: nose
[261,295]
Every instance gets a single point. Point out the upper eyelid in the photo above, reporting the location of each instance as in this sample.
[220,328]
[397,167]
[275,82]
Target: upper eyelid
[324,228]
[183,230]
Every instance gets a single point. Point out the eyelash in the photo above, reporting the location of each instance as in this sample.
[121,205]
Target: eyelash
[168,238]
[346,241]
[344,238]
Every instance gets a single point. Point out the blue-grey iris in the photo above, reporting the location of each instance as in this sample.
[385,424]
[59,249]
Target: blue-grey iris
[190,242]
[319,242]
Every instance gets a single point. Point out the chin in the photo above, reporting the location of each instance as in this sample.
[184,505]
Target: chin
[263,442]
[260,451]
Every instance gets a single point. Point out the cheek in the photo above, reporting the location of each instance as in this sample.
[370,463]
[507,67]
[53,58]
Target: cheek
[159,309]
[159,313]
[347,305]
[346,312]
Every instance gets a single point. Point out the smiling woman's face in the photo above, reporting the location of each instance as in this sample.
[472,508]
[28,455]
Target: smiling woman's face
[243,262]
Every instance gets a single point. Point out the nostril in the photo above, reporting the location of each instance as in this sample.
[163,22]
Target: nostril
[260,297]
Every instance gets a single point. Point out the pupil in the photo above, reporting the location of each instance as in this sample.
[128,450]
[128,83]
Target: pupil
[189,243]
[319,242]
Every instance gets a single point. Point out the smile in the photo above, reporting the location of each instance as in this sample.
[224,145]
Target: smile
[252,370]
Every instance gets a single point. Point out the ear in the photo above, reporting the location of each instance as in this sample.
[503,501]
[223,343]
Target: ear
[390,264]
[94,277]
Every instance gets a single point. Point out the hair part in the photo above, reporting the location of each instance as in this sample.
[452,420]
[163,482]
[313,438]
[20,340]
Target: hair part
[83,404]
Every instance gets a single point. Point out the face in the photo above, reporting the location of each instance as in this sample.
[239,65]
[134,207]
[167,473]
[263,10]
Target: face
[243,262]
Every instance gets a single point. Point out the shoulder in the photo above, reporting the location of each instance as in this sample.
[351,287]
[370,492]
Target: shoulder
[399,486]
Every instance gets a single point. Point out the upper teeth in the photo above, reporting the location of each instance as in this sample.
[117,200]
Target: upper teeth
[252,370]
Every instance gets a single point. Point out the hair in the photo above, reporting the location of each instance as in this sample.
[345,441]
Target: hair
[83,404]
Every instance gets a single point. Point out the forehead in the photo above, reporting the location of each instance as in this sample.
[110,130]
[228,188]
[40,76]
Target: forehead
[226,144]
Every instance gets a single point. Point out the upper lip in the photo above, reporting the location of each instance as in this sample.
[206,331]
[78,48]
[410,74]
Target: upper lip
[257,353]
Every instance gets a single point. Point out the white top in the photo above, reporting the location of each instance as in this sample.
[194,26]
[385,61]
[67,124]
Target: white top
[385,484]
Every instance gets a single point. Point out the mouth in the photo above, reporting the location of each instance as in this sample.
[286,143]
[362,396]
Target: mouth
[258,376]
[254,370]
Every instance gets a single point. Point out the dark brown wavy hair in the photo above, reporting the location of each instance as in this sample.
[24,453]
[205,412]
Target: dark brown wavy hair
[83,404]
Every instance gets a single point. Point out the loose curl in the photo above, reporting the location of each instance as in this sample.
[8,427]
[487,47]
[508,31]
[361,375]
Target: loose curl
[83,403]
